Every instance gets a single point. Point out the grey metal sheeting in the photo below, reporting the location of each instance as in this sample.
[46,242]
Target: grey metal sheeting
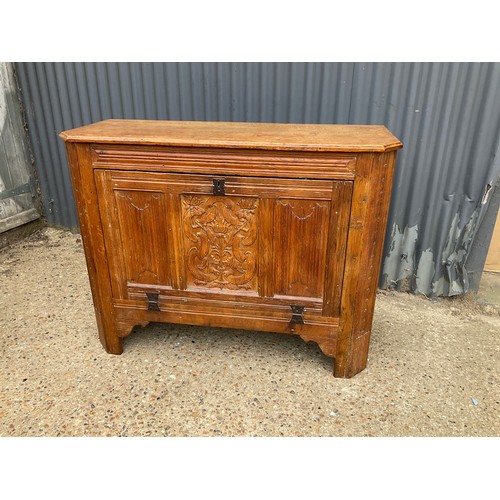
[446,114]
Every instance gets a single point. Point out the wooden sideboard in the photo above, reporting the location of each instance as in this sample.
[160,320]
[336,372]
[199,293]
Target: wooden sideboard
[273,227]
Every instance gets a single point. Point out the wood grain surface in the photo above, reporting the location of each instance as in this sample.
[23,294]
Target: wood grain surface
[269,136]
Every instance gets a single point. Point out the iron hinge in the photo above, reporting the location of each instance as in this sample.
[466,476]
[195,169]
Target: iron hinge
[153,301]
[28,187]
[297,314]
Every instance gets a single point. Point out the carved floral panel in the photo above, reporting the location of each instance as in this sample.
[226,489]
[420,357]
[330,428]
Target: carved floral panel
[220,237]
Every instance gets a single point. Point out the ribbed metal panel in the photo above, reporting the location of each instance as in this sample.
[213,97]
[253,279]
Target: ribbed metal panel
[446,114]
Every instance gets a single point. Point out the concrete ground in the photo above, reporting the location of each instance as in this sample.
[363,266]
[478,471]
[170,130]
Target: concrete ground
[432,371]
[489,290]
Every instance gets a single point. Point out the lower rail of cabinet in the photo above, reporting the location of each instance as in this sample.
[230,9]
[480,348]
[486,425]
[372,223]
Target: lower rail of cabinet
[350,354]
[324,333]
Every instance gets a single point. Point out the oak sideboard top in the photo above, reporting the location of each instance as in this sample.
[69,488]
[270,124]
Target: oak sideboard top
[274,136]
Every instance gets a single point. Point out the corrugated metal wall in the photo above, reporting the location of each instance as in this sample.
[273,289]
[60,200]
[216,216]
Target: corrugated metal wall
[446,114]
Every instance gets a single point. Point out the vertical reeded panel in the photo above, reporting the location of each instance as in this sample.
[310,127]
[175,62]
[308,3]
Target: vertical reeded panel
[220,238]
[143,228]
[301,233]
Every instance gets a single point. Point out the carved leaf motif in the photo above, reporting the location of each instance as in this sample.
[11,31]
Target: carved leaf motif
[221,241]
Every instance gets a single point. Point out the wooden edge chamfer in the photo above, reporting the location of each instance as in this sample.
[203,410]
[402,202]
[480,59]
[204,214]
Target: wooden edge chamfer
[237,135]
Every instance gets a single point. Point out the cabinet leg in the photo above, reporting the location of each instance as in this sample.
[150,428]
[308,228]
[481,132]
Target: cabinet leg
[354,359]
[110,340]
[113,346]
[111,336]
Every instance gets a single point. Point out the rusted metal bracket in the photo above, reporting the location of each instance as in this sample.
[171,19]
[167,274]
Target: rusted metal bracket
[28,187]
[219,187]
[297,314]
[153,301]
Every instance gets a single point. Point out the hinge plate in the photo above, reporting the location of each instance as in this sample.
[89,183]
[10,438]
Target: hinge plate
[297,314]
[24,188]
[153,301]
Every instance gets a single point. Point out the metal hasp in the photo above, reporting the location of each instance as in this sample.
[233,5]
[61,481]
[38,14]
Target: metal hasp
[219,187]
[153,301]
[297,313]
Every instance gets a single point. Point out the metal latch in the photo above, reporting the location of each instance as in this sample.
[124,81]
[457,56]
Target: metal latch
[219,187]
[153,301]
[297,314]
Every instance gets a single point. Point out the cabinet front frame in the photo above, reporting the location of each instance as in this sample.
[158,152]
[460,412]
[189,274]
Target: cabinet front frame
[268,192]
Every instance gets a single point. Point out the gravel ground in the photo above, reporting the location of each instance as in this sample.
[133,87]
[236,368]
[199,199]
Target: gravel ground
[432,371]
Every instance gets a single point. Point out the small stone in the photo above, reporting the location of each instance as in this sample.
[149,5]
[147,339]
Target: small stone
[173,377]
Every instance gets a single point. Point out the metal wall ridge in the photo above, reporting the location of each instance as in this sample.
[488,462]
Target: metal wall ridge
[446,114]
